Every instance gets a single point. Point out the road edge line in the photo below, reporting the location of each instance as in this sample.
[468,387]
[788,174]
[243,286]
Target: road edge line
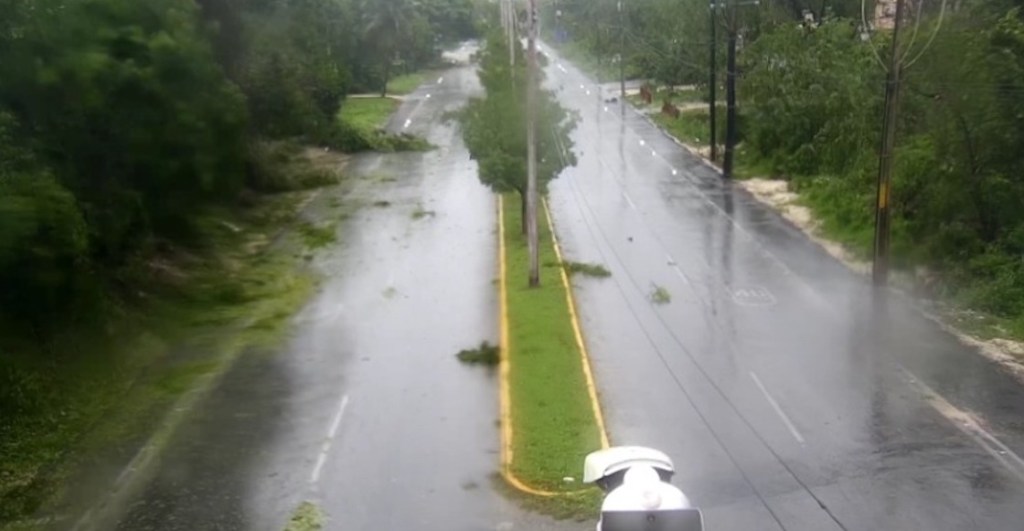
[570,299]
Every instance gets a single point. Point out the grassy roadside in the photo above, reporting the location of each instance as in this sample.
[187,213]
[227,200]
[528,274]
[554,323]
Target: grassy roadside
[100,391]
[406,83]
[361,122]
[367,114]
[553,424]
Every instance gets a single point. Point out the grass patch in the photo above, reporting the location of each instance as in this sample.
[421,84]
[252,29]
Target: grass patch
[659,295]
[580,506]
[317,236]
[419,213]
[552,420]
[367,114]
[691,127]
[98,389]
[586,269]
[485,354]
[285,165]
[307,517]
[406,83]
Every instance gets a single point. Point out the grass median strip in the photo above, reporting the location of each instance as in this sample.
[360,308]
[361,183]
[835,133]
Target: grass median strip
[552,423]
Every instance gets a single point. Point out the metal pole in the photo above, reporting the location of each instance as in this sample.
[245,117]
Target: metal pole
[531,148]
[880,264]
[730,96]
[622,59]
[713,88]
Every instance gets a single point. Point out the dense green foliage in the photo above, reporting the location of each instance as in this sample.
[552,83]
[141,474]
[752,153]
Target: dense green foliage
[494,127]
[125,125]
[811,103]
[120,120]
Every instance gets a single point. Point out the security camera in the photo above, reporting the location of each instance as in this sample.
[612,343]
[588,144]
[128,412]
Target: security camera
[638,495]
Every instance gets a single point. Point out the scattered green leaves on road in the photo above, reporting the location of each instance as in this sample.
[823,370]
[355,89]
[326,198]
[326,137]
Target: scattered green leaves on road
[307,517]
[586,269]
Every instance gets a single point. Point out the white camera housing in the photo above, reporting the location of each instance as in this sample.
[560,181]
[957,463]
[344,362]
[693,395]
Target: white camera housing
[638,495]
[606,468]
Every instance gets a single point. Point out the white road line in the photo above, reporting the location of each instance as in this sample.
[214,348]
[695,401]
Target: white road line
[588,93]
[428,96]
[775,405]
[654,153]
[675,172]
[440,80]
[326,448]
[408,121]
[606,109]
[642,142]
[562,68]
[629,200]
[679,272]
[967,424]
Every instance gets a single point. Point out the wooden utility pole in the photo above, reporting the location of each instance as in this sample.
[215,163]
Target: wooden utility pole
[531,147]
[880,264]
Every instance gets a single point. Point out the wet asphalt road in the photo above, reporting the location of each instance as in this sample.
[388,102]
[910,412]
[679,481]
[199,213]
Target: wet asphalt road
[789,397]
[365,411]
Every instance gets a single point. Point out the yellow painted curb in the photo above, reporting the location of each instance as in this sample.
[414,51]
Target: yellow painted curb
[505,402]
[595,404]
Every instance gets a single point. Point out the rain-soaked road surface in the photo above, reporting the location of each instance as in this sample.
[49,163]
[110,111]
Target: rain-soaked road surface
[786,397]
[365,411]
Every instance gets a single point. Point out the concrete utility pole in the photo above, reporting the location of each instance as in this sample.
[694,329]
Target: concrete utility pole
[622,59]
[730,94]
[510,16]
[531,147]
[880,264]
[730,86]
[713,85]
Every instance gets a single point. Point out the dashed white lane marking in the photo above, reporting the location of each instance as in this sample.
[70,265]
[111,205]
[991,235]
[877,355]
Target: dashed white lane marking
[428,96]
[778,410]
[629,200]
[968,425]
[440,80]
[562,68]
[326,448]
[408,121]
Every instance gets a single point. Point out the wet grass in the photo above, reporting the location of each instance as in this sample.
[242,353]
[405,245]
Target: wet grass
[406,83]
[419,213]
[552,420]
[659,295]
[317,236]
[367,114]
[586,269]
[485,354]
[114,382]
[691,127]
[583,505]
[307,517]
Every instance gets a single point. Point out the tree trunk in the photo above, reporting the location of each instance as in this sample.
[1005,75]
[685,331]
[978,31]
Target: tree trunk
[522,211]
[387,74]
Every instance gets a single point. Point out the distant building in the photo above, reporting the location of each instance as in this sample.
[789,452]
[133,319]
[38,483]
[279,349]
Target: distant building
[885,14]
